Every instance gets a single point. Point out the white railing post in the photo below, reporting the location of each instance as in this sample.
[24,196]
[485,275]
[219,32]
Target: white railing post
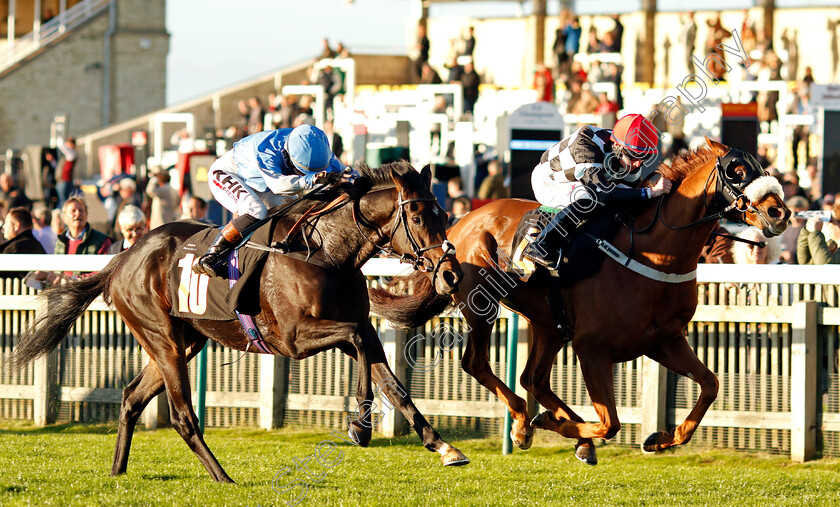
[803,382]
[36,24]
[654,396]
[272,385]
[62,16]
[11,29]
[394,342]
[156,412]
[47,393]
[46,389]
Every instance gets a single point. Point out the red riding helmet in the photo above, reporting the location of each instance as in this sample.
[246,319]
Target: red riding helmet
[636,135]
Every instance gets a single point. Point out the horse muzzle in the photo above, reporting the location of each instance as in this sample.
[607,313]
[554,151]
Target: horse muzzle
[773,220]
[448,273]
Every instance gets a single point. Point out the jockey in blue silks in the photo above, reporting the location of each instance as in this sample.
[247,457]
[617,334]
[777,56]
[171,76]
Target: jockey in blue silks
[264,170]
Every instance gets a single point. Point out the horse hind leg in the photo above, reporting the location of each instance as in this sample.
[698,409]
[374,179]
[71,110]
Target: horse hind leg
[165,345]
[681,359]
[184,420]
[138,394]
[536,380]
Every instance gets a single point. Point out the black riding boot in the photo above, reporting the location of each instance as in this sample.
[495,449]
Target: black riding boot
[228,238]
[545,249]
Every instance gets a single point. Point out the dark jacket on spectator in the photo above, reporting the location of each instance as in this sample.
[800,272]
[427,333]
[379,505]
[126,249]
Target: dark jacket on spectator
[93,242]
[23,243]
[117,247]
[16,198]
[718,249]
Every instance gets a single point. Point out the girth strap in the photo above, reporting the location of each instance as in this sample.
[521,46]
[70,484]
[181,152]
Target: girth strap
[637,267]
[251,330]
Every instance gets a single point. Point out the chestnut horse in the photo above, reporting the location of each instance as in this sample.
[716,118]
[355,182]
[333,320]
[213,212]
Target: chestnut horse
[306,308]
[617,314]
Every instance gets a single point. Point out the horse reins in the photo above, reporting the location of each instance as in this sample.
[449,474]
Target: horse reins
[723,185]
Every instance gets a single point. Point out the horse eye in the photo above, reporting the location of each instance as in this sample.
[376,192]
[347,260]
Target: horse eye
[416,220]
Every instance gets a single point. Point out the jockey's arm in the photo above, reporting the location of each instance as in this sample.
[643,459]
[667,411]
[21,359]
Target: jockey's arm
[287,185]
[294,184]
[616,191]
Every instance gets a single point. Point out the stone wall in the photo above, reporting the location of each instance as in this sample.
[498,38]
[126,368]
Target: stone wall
[69,76]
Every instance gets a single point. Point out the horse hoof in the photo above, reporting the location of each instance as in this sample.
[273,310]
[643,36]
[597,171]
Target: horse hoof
[538,420]
[652,444]
[586,454]
[522,441]
[452,457]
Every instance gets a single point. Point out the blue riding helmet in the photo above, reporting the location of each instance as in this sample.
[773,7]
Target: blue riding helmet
[309,149]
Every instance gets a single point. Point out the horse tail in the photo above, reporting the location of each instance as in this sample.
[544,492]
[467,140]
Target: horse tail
[417,303]
[66,303]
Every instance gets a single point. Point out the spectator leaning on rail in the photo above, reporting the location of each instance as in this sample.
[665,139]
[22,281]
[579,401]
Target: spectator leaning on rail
[80,237]
[818,241]
[132,224]
[586,170]
[261,171]
[17,232]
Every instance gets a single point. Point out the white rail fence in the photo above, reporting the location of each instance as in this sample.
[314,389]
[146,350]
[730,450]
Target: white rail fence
[770,333]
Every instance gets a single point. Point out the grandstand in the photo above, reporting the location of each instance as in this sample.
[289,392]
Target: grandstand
[383,108]
[383,92]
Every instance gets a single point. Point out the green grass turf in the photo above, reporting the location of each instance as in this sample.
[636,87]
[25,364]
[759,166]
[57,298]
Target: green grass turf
[70,464]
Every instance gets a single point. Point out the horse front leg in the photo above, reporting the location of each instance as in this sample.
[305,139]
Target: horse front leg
[678,357]
[355,339]
[388,385]
[361,428]
[476,363]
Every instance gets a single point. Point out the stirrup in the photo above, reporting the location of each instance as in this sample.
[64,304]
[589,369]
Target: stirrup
[531,252]
[209,263]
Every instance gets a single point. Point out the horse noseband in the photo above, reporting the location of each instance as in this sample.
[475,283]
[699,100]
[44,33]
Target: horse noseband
[416,257]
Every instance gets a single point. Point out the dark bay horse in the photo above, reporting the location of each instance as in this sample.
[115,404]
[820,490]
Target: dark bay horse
[616,315]
[305,308]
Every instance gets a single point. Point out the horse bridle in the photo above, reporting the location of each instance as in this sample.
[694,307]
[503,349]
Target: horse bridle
[729,192]
[416,258]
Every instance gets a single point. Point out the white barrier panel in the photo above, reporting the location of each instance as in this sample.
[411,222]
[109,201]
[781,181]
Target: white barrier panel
[706,273]
[33,262]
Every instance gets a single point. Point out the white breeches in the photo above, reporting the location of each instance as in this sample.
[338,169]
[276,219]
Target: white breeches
[555,193]
[231,191]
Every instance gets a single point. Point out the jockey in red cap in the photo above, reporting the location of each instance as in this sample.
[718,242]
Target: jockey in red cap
[584,171]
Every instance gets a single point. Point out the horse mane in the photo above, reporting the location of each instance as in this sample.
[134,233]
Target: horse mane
[380,177]
[685,164]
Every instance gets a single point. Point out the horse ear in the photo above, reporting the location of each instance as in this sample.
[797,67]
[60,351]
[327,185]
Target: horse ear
[426,173]
[716,147]
[398,180]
